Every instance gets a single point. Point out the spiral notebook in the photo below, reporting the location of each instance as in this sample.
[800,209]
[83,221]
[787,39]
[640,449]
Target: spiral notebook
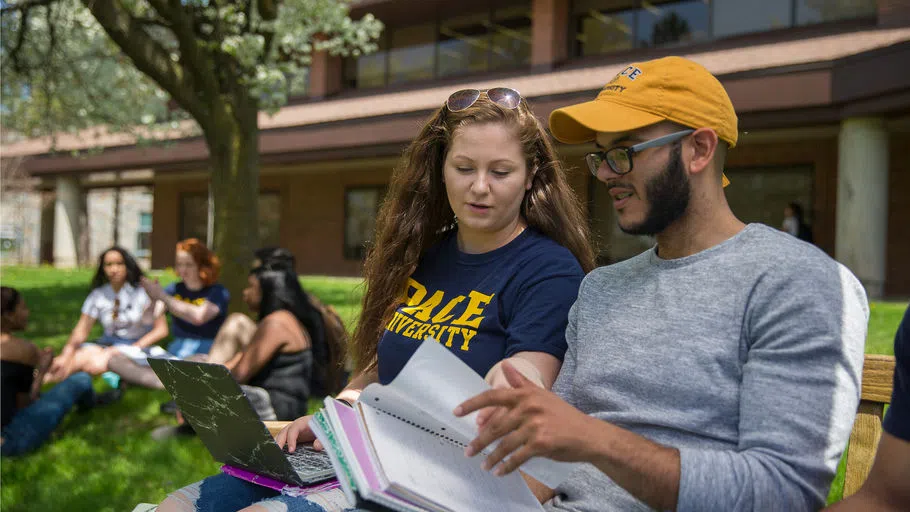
[401,447]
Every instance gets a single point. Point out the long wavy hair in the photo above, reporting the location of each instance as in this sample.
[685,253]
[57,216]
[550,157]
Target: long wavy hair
[133,272]
[416,213]
[281,290]
[208,263]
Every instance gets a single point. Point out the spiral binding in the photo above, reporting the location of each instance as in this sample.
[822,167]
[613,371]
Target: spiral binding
[427,430]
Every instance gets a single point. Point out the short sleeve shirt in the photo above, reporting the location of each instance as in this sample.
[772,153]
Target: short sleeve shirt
[216,294]
[485,307]
[134,316]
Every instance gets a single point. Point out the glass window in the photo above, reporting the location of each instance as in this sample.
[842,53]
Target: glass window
[412,53]
[822,11]
[602,30]
[464,44]
[145,221]
[732,17]
[511,37]
[361,205]
[672,22]
[194,217]
[367,70]
[762,193]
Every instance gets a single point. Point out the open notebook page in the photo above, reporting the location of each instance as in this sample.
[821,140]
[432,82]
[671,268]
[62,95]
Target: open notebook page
[420,462]
[356,450]
[429,387]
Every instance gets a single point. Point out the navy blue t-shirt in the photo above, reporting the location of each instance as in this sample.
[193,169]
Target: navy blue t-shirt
[897,419]
[485,307]
[216,294]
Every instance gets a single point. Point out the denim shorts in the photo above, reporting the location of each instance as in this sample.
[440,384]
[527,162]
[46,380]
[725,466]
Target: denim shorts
[186,347]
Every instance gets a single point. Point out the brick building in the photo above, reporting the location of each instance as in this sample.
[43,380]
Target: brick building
[822,89]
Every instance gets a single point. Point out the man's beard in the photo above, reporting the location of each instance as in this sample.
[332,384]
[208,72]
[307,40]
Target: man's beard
[668,196]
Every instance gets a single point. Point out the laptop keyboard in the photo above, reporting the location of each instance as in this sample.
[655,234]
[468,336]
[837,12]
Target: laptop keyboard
[306,461]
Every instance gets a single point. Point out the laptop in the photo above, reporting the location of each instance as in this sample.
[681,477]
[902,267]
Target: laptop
[216,407]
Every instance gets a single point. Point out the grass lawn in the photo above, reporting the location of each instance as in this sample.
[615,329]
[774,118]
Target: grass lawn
[104,460]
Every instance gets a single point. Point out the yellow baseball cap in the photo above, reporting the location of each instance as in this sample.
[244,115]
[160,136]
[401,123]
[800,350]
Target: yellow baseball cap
[668,89]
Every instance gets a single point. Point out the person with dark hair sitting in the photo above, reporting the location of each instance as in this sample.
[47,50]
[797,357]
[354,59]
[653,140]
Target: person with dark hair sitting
[198,305]
[28,417]
[126,312]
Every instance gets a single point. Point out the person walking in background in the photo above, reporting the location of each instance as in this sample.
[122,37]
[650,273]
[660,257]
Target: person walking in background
[795,223]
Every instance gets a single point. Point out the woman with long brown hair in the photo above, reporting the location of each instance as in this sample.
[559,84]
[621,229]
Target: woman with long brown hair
[480,245]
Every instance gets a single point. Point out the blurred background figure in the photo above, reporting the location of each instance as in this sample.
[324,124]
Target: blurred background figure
[795,222]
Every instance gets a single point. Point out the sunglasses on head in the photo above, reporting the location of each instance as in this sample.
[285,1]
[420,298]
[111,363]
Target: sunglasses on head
[503,96]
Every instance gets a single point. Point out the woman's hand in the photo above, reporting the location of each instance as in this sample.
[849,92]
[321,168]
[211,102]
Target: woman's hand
[152,288]
[298,432]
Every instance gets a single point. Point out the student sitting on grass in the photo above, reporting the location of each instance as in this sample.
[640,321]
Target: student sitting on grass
[198,305]
[28,417]
[126,312]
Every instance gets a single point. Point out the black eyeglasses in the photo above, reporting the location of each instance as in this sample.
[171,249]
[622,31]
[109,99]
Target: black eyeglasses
[620,158]
[502,96]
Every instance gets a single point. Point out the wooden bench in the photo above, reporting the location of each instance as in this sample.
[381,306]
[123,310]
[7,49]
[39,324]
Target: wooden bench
[275,426]
[878,375]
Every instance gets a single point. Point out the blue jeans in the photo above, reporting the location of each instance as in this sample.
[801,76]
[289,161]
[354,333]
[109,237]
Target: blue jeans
[32,426]
[186,347]
[224,492]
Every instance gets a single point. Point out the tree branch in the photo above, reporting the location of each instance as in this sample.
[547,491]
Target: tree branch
[147,54]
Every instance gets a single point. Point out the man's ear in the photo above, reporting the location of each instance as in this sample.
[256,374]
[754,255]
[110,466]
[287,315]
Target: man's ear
[702,147]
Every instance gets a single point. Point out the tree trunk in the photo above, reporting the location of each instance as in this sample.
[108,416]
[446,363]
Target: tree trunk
[233,141]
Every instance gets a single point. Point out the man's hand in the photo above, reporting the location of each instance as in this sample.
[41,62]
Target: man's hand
[529,422]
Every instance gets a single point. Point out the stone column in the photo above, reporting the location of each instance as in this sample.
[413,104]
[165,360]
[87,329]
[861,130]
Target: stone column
[549,33]
[862,200]
[70,224]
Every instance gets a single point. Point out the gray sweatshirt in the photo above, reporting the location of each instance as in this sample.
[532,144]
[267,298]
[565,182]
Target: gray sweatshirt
[746,357]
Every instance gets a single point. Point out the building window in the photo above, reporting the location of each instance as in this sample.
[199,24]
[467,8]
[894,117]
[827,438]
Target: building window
[607,26]
[732,17]
[604,26]
[761,194]
[809,12]
[498,37]
[144,235]
[194,217]
[361,204]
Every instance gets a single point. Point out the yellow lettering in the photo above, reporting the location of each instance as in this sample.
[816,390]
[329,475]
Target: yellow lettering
[421,332]
[468,335]
[395,319]
[423,311]
[420,292]
[452,331]
[401,325]
[409,332]
[444,316]
[475,307]
[434,330]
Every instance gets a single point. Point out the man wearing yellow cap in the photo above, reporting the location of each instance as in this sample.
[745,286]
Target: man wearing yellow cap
[719,370]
